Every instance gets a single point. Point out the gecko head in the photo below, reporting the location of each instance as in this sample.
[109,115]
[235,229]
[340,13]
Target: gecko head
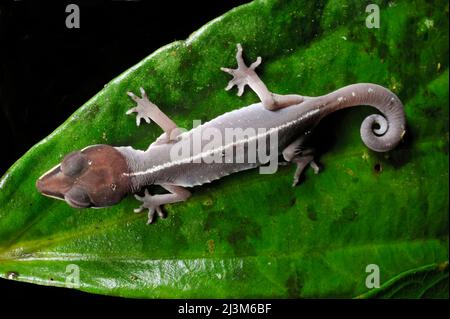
[93,177]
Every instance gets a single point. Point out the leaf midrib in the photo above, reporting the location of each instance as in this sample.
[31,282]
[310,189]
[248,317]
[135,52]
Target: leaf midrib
[112,258]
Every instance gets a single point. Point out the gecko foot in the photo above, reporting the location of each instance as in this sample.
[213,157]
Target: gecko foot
[302,162]
[243,74]
[143,108]
[150,203]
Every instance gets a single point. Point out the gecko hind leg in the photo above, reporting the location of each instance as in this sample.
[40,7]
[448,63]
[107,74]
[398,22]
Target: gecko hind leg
[147,111]
[154,202]
[245,75]
[298,154]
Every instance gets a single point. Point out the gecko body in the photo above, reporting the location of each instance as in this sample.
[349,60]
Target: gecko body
[101,175]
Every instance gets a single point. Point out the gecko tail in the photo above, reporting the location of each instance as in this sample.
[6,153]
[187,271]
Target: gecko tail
[379,132]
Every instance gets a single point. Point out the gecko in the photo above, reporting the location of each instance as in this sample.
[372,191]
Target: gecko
[102,175]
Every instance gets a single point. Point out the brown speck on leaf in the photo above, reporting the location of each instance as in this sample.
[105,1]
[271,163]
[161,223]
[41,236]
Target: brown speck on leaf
[133,277]
[350,172]
[208,202]
[211,246]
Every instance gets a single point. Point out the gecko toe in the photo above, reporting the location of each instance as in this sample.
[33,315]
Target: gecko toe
[227,70]
[229,86]
[134,97]
[160,212]
[255,64]
[139,209]
[315,167]
[151,215]
[143,93]
[241,88]
[132,110]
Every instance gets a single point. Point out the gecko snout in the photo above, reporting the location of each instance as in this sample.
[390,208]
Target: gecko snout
[53,183]
[93,177]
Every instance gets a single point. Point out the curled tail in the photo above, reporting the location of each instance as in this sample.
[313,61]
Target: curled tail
[380,133]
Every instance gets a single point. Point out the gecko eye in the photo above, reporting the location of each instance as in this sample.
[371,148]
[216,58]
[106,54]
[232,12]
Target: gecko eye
[77,197]
[73,164]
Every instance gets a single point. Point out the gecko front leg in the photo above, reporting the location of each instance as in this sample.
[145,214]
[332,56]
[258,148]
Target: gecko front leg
[154,202]
[298,154]
[147,111]
[245,75]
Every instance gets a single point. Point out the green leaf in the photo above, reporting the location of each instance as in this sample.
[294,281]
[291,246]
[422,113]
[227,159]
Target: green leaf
[430,281]
[252,235]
